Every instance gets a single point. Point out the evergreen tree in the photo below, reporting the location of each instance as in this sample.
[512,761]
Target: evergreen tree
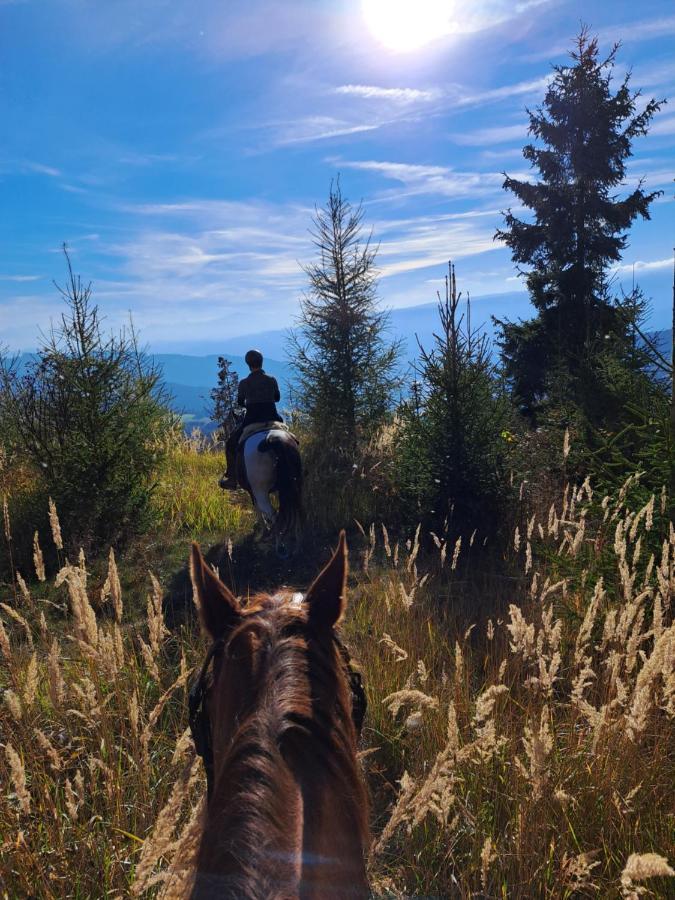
[454,436]
[224,397]
[89,412]
[577,229]
[345,367]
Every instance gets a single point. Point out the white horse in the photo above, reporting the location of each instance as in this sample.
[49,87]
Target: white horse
[271,463]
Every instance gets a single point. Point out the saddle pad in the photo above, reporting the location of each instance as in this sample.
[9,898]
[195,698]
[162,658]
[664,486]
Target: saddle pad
[257,427]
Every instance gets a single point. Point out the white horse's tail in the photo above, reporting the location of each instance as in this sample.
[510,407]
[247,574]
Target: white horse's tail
[289,479]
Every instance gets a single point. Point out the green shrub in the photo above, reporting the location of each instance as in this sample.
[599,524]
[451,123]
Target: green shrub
[88,413]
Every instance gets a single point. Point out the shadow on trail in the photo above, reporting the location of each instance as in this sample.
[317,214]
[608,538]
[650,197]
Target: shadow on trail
[252,568]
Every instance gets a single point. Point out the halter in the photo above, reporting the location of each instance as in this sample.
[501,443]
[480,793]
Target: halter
[200,724]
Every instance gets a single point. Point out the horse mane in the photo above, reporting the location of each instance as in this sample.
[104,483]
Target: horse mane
[295,739]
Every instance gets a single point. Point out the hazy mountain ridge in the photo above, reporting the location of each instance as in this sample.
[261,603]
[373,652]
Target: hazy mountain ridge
[189,378]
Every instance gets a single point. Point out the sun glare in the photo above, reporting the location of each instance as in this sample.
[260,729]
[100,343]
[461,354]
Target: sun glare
[407,25]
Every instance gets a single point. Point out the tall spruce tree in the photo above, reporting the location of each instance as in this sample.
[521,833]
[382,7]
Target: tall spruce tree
[578,227]
[345,366]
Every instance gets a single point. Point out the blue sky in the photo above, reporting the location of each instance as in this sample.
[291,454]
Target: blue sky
[179,148]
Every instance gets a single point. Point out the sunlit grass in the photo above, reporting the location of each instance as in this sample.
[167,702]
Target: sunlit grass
[532,754]
[188,499]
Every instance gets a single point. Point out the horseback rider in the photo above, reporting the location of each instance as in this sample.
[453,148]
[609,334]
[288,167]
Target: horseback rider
[259,394]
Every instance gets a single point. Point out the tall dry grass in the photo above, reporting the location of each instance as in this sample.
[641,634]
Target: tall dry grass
[526,746]
[519,740]
[92,723]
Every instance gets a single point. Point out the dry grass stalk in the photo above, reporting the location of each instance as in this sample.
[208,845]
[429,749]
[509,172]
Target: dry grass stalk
[660,663]
[5,646]
[13,704]
[577,870]
[112,587]
[74,795]
[157,630]
[55,525]
[487,857]
[134,714]
[12,613]
[23,587]
[538,747]
[5,519]
[86,628]
[57,687]
[415,549]
[180,877]
[18,778]
[30,686]
[51,752]
[38,560]
[159,706]
[640,867]
[159,841]
[399,653]
[416,700]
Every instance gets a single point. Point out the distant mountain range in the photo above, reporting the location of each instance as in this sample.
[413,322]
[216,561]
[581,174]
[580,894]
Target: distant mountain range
[189,379]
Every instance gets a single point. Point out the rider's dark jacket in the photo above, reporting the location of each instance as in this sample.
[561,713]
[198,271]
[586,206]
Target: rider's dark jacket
[259,393]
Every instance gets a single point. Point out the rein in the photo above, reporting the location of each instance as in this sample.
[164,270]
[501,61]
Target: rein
[200,724]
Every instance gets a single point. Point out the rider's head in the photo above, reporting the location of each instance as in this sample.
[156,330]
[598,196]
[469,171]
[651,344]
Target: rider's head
[254,359]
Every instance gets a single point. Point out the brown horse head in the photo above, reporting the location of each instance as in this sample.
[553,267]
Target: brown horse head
[287,812]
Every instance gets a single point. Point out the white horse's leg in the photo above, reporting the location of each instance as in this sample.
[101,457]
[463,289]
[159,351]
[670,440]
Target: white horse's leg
[261,472]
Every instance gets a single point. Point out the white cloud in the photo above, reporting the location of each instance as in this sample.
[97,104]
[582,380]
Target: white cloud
[500,134]
[20,278]
[438,180]
[640,30]
[645,266]
[40,169]
[518,89]
[319,128]
[397,95]
[663,125]
[430,241]
[625,32]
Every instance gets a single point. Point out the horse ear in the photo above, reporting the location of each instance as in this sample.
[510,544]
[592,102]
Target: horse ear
[218,607]
[327,596]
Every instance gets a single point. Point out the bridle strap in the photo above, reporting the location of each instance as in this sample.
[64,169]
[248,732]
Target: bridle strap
[198,717]
[359,700]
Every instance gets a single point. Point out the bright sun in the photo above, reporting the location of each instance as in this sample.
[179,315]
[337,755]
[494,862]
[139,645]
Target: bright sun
[408,24]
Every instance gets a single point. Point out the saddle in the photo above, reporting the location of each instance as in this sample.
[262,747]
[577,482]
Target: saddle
[257,427]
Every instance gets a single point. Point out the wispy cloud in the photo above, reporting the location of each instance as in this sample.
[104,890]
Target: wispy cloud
[28,167]
[639,30]
[645,265]
[436,180]
[431,241]
[500,134]
[320,128]
[625,32]
[663,125]
[397,95]
[20,278]
[465,97]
